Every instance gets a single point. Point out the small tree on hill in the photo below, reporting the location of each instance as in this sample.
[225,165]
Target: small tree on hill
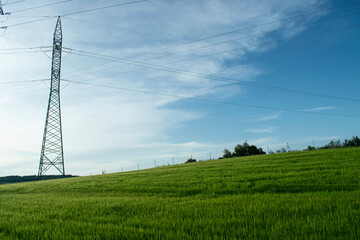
[354,142]
[309,148]
[190,160]
[227,154]
[246,150]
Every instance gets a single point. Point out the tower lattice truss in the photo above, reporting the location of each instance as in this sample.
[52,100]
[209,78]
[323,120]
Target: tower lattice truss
[52,146]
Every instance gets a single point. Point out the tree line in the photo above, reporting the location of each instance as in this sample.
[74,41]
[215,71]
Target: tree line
[246,150]
[29,178]
[354,142]
[241,150]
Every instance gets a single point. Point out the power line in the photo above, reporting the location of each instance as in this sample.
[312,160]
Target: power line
[12,51]
[250,36]
[211,100]
[276,41]
[33,21]
[113,27]
[216,78]
[15,90]
[263,44]
[41,6]
[247,28]
[33,51]
[87,68]
[328,9]
[305,68]
[6,4]
[237,49]
[250,84]
[21,92]
[258,34]
[101,8]
[73,13]
[12,17]
[25,81]
[119,28]
[217,35]
[236,81]
[23,48]
[78,72]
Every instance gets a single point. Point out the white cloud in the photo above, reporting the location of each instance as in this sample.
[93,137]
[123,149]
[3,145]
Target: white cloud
[267,117]
[106,124]
[320,108]
[261,130]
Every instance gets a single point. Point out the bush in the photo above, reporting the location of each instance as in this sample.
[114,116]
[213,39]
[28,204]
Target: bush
[190,160]
[243,150]
[309,148]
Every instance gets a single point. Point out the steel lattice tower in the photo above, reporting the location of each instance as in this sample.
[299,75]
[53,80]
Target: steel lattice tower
[52,146]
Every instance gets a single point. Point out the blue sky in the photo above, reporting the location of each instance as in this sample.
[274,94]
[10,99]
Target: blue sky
[109,129]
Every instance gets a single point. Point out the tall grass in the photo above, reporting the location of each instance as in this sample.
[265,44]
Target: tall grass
[304,195]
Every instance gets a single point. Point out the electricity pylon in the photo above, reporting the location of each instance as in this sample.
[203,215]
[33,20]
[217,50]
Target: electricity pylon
[52,146]
[2,12]
[1,9]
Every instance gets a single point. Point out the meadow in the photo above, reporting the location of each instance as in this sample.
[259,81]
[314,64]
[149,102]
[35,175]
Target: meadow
[297,195]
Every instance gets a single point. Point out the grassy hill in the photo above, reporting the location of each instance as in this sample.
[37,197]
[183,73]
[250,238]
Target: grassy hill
[300,195]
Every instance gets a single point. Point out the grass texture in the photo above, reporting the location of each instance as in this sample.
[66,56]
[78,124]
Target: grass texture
[298,195]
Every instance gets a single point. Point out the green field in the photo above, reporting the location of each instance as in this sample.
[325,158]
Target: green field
[299,195]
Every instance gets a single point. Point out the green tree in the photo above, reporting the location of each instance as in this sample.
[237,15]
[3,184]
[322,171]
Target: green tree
[246,150]
[190,160]
[309,148]
[227,154]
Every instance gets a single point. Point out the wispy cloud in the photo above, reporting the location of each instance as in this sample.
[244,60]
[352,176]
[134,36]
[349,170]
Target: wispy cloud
[267,118]
[320,108]
[319,139]
[100,121]
[261,130]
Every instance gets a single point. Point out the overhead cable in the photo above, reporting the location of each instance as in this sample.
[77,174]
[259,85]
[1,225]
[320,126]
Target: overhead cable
[25,81]
[119,28]
[216,78]
[41,6]
[73,13]
[248,28]
[271,42]
[223,79]
[236,49]
[101,8]
[212,100]
[6,4]
[258,34]
[24,48]
[25,52]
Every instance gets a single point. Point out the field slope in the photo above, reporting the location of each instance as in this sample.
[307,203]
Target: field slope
[302,195]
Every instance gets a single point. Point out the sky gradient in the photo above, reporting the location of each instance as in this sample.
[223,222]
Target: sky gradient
[179,79]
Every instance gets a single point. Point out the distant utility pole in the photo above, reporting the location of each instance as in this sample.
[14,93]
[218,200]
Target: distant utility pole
[173,160]
[138,166]
[52,154]
[210,155]
[288,149]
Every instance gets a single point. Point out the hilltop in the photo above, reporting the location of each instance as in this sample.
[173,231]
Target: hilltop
[297,195]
